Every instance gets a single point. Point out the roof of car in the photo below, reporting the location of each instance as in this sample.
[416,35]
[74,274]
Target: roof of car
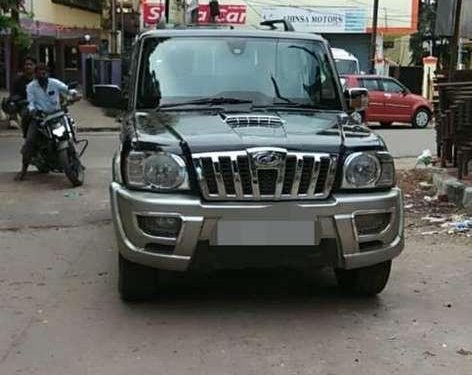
[236,32]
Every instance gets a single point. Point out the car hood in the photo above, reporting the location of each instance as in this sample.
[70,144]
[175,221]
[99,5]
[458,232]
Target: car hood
[208,132]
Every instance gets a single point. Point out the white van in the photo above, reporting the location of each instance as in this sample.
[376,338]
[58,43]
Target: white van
[346,62]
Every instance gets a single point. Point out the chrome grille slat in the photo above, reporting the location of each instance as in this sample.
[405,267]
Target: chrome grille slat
[297,175]
[254,180]
[238,186]
[314,177]
[201,178]
[218,175]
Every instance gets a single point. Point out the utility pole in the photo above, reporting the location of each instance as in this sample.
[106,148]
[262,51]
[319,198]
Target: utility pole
[114,39]
[455,38]
[373,40]
[122,14]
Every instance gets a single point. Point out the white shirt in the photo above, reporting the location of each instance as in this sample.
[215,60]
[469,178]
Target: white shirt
[49,100]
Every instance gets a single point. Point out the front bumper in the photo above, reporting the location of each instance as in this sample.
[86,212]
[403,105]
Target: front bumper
[333,220]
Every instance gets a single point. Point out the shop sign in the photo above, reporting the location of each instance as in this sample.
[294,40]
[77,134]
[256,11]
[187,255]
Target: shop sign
[320,20]
[229,14]
[152,12]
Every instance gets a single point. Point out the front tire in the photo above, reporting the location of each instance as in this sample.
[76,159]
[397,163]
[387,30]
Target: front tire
[364,282]
[71,165]
[135,281]
[421,118]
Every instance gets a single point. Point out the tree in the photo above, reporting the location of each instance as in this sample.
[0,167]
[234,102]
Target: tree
[10,11]
[419,42]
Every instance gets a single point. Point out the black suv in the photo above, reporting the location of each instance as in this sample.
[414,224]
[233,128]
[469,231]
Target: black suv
[238,151]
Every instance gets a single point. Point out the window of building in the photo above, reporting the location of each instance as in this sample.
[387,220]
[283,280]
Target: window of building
[90,5]
[71,57]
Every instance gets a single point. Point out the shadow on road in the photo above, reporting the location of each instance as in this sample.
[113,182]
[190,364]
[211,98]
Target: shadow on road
[287,289]
[37,180]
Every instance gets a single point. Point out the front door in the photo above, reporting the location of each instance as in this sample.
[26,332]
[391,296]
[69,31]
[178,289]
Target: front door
[397,102]
[376,109]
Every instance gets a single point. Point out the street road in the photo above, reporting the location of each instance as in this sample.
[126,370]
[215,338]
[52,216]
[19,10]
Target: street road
[60,312]
[402,142]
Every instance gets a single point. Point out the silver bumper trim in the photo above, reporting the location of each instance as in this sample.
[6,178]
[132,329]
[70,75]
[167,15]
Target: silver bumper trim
[333,219]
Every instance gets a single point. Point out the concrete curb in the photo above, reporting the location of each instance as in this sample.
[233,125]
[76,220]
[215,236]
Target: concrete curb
[457,192]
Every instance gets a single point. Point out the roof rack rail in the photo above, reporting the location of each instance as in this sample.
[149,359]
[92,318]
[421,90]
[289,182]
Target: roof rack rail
[271,23]
[209,25]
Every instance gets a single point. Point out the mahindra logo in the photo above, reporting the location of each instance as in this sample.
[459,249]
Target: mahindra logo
[267,159]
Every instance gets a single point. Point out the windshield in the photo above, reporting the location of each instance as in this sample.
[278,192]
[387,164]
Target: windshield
[346,66]
[264,71]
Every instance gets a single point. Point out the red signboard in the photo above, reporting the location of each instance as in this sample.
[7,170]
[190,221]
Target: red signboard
[229,14]
[152,13]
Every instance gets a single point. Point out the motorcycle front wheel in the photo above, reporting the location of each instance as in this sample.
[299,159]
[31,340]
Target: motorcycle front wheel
[71,165]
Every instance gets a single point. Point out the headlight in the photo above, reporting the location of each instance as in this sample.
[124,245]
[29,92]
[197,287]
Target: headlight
[368,170]
[59,131]
[156,170]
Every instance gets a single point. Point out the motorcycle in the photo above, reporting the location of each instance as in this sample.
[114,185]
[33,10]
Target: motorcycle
[58,145]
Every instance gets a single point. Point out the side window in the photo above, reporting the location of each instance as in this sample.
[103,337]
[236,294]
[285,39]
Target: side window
[370,84]
[392,86]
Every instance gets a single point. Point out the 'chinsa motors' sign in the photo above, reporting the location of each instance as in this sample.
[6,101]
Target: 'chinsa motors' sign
[320,20]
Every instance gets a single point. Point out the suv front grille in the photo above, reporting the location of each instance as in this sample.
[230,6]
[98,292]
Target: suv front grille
[237,175]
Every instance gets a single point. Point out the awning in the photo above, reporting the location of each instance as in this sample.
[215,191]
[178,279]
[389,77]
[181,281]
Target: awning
[37,28]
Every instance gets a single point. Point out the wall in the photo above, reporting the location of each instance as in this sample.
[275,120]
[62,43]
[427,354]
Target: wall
[46,11]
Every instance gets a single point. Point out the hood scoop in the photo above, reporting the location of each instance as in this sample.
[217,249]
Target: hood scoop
[245,121]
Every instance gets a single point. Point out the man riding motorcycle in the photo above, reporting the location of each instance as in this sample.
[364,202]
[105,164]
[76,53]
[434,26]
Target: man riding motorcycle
[44,96]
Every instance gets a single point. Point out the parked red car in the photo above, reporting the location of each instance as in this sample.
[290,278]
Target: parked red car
[390,101]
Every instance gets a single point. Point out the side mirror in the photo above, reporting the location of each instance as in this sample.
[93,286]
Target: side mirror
[357,98]
[108,96]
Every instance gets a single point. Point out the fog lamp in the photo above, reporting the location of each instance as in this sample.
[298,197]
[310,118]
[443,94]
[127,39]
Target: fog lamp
[372,224]
[160,226]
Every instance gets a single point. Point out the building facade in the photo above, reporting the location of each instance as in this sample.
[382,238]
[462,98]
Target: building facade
[57,28]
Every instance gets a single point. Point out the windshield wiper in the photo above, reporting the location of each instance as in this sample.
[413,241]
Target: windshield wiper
[277,91]
[290,106]
[208,101]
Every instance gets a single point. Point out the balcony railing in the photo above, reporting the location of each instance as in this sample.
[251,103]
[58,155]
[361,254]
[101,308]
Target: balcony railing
[90,5]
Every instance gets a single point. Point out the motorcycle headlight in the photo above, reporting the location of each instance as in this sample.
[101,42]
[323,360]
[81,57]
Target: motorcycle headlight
[59,130]
[368,170]
[156,171]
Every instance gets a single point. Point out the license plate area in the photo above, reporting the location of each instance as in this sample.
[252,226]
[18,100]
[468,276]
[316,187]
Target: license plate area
[265,233]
